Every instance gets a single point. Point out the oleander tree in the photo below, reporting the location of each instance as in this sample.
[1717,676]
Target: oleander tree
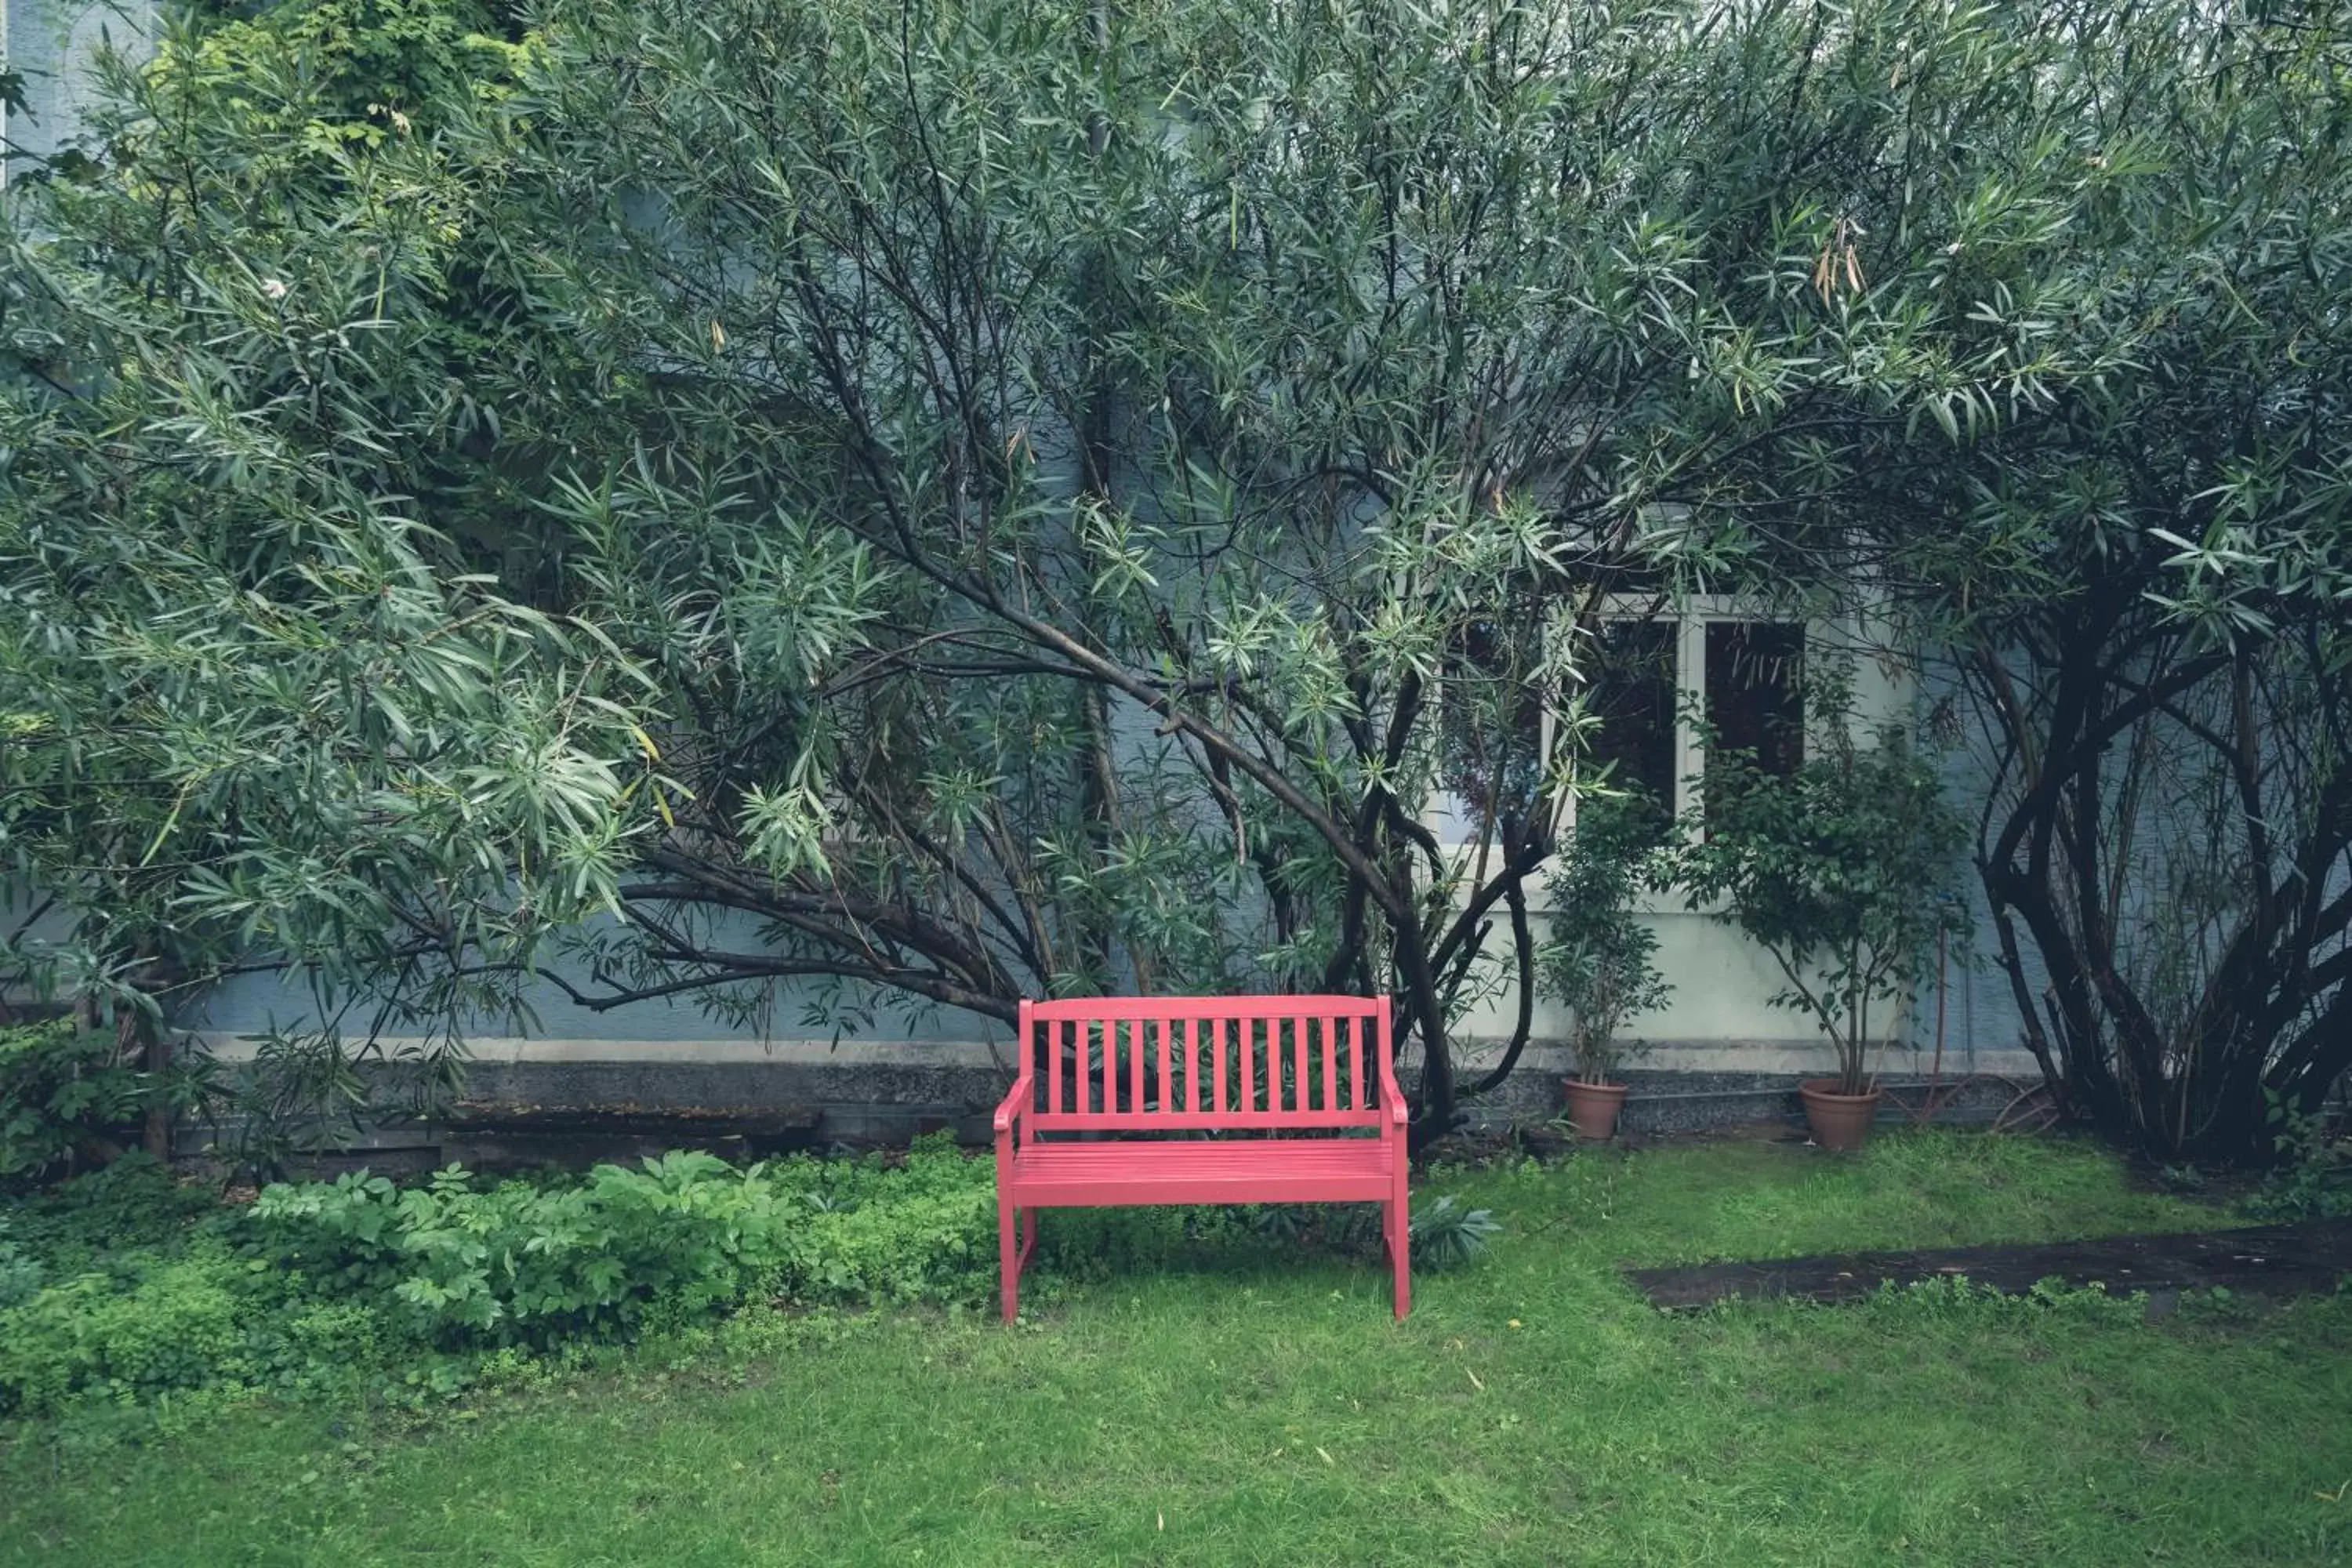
[2152,645]
[1094,480]
[2130,595]
[264,702]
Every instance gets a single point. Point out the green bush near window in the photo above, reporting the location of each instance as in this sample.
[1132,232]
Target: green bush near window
[1600,963]
[1844,870]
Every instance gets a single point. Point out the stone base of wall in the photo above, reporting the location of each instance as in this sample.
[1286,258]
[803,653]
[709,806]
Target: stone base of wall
[1663,1101]
[534,1104]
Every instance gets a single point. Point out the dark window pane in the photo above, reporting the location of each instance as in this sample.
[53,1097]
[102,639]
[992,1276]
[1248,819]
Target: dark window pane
[1493,721]
[1754,699]
[1632,696]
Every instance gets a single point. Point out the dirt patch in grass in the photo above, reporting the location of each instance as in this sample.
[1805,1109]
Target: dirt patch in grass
[2278,1259]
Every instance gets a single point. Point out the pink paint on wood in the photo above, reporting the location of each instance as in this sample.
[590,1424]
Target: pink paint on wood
[1094,1009]
[1334,1162]
[1208,1120]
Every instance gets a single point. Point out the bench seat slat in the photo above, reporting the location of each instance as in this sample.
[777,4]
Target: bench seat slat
[1321,1169]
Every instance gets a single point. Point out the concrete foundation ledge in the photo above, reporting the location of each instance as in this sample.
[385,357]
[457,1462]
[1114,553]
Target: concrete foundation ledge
[563,1101]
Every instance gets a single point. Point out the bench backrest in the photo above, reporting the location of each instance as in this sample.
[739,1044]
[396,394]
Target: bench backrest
[1173,1064]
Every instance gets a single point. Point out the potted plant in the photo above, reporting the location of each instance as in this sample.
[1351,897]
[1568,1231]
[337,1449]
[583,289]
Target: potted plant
[1841,869]
[1599,962]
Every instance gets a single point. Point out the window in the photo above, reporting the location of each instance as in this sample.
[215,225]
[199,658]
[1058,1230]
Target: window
[1633,699]
[1755,696]
[1656,684]
[1496,724]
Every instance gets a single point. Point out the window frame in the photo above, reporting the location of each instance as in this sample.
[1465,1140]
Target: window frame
[1690,619]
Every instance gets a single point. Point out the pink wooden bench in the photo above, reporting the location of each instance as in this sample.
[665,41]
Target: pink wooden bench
[1141,1068]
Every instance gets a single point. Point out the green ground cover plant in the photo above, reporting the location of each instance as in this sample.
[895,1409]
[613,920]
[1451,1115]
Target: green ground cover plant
[1218,1396]
[125,1290]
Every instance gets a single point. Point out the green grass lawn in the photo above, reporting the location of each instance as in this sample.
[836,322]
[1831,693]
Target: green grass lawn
[1241,1404]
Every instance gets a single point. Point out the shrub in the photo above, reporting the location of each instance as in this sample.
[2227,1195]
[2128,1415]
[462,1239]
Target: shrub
[1443,1235]
[522,1263]
[122,1287]
[2313,1177]
[65,1095]
[181,1326]
[1843,870]
[132,1204]
[1600,961]
[20,1275]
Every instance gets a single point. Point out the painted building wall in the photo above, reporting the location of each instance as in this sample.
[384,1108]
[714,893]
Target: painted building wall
[1719,1020]
[50,42]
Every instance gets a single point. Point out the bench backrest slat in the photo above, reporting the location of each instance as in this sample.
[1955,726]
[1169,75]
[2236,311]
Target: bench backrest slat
[1138,1063]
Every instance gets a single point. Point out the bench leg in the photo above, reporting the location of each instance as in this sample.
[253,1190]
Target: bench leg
[1401,1257]
[1008,1257]
[1028,1235]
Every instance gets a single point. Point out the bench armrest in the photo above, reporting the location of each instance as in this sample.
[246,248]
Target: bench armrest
[1015,1103]
[1391,1095]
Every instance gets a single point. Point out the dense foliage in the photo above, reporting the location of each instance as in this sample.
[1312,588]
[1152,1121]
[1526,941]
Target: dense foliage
[122,1287]
[355,1283]
[798,506]
[530,1263]
[262,703]
[2145,596]
[66,1097]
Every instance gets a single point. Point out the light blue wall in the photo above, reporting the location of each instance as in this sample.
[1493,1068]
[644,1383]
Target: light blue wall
[256,1004]
[1980,1003]
[52,43]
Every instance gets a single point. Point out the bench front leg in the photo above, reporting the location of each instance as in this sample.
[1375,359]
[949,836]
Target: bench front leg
[1010,1257]
[1394,1129]
[1399,1216]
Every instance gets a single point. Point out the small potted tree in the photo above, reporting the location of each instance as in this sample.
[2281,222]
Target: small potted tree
[1599,962]
[1841,870]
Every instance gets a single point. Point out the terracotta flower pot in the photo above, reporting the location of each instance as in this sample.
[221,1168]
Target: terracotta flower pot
[1840,1122]
[1593,1108]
